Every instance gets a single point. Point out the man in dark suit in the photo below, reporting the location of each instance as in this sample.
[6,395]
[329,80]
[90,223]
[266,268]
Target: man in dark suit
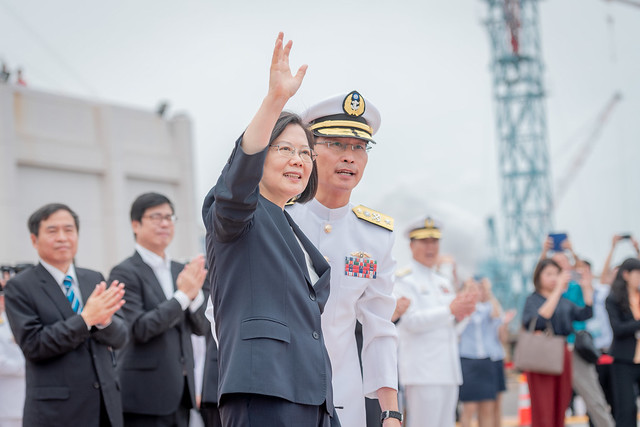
[63,318]
[165,305]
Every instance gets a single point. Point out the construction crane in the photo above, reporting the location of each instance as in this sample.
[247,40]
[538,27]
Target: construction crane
[523,160]
[585,149]
[629,2]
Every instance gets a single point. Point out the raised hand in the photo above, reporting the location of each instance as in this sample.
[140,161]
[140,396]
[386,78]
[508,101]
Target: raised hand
[509,316]
[563,280]
[616,239]
[282,86]
[282,83]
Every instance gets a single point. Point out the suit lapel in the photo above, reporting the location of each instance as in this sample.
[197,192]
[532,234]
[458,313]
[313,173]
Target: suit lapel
[283,222]
[320,264]
[86,287]
[54,292]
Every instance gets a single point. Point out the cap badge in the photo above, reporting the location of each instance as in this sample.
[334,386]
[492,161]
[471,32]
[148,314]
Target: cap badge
[353,104]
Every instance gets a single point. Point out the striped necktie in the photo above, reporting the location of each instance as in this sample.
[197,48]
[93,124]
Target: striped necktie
[71,296]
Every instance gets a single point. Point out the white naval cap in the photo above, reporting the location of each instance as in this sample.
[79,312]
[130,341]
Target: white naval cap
[424,228]
[346,116]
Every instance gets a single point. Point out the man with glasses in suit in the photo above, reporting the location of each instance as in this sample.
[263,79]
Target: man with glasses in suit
[165,305]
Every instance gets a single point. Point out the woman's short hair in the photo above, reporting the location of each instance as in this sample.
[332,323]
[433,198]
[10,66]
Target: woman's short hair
[288,118]
[544,263]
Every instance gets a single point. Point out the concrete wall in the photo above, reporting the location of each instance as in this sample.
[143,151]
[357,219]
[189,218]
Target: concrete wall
[96,158]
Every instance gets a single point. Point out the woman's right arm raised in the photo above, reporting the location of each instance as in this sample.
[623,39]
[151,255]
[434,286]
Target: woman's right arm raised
[282,86]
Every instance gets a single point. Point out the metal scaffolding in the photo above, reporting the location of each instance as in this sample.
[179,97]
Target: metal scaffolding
[523,159]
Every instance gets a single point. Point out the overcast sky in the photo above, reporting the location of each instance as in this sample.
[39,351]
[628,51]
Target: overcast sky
[424,64]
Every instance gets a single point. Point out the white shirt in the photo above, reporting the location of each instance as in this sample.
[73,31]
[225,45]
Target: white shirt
[599,325]
[162,269]
[428,350]
[59,277]
[12,372]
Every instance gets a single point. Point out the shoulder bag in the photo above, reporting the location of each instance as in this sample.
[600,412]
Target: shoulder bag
[585,347]
[541,352]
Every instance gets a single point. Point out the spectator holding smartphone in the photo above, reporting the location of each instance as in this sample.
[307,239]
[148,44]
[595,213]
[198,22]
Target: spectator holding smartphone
[579,291]
[551,394]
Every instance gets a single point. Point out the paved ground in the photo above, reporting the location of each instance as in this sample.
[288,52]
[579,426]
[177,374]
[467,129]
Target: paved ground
[510,406]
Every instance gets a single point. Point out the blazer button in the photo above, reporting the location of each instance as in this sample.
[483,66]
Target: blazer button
[312,297]
[96,385]
[316,335]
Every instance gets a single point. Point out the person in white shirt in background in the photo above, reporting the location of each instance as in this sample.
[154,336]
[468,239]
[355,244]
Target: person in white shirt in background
[12,371]
[428,356]
[479,389]
[494,342]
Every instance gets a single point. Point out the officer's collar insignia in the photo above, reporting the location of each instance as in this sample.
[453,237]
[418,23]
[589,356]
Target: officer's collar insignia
[354,104]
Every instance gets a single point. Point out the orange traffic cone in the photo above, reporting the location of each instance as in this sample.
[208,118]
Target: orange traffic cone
[524,402]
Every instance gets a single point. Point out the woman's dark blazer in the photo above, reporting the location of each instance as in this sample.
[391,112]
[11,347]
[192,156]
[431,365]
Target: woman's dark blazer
[266,310]
[624,327]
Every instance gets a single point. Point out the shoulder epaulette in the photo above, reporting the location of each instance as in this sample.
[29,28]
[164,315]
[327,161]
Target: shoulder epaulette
[373,217]
[403,272]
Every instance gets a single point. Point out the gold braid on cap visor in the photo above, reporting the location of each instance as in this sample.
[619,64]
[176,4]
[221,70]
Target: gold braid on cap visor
[342,128]
[425,233]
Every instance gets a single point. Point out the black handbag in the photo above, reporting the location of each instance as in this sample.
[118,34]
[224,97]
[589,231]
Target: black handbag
[585,347]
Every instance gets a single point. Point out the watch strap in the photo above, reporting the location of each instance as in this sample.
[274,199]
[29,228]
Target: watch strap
[390,414]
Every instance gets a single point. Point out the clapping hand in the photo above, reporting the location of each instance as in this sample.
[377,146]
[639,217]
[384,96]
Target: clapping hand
[191,278]
[103,303]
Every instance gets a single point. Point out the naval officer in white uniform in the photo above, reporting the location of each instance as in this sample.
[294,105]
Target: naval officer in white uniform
[429,362]
[357,242]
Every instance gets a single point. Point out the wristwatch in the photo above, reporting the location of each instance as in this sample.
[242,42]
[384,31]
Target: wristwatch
[390,414]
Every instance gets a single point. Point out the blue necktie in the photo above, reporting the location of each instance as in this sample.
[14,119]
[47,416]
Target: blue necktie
[71,296]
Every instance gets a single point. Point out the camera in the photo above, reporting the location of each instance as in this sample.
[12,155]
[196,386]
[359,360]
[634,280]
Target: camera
[12,270]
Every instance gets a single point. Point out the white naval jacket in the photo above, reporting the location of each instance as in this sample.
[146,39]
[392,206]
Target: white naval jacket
[12,373]
[428,349]
[340,235]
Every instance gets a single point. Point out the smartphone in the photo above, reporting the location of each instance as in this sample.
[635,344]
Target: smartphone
[558,238]
[625,236]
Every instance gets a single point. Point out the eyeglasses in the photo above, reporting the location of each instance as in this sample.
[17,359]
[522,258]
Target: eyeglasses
[287,150]
[157,218]
[339,147]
